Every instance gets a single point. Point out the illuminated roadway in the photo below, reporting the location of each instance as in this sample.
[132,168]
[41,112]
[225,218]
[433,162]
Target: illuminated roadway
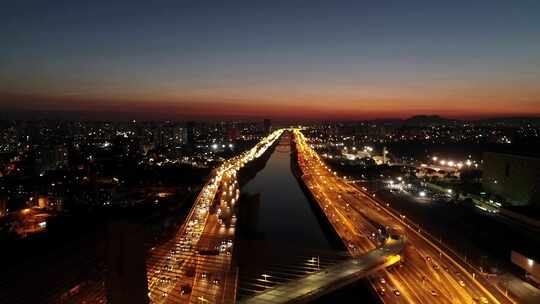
[426,275]
[195,266]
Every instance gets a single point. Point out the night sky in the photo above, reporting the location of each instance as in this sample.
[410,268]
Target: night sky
[289,59]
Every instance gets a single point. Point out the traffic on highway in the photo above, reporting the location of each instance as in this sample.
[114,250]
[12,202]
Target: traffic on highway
[426,273]
[196,265]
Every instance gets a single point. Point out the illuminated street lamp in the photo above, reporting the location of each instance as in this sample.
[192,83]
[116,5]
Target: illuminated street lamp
[313,261]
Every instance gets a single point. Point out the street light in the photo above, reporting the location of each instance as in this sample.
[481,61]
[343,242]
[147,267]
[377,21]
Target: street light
[313,261]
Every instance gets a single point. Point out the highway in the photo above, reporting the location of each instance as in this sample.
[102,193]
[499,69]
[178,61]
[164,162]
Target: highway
[195,266]
[426,275]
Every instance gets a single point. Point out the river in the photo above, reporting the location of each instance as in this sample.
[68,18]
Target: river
[284,213]
[281,234]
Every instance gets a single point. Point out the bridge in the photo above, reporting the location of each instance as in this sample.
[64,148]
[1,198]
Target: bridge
[322,282]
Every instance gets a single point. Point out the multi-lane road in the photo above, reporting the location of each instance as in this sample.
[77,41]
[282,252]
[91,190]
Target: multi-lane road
[427,274]
[195,266]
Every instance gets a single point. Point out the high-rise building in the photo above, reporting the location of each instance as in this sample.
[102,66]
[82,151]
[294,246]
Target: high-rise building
[267,126]
[164,136]
[179,135]
[190,134]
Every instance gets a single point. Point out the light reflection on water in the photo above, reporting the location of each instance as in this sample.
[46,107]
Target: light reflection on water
[284,214]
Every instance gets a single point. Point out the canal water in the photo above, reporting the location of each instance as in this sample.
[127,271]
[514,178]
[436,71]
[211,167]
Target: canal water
[283,214]
[281,233]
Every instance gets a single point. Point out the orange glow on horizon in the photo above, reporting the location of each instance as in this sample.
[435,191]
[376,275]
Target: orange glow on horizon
[297,108]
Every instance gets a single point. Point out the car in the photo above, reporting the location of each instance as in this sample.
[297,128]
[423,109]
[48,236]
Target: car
[215,282]
[397,293]
[382,291]
[434,293]
[428,258]
[382,280]
[204,275]
[435,266]
[484,300]
[185,289]
[461,283]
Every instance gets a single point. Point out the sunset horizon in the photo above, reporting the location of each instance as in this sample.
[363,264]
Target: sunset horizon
[270,151]
[215,108]
[283,60]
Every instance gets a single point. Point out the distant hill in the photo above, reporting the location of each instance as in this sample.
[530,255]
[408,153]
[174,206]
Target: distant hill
[427,120]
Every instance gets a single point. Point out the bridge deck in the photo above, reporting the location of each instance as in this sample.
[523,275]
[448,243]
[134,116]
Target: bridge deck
[317,284]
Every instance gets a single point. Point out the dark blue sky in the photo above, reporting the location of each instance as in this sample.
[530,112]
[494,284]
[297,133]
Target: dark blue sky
[370,58]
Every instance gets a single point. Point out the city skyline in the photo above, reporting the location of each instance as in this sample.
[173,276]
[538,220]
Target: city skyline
[288,60]
[266,152]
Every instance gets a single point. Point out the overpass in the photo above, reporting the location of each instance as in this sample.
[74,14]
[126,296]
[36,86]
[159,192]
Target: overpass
[325,281]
